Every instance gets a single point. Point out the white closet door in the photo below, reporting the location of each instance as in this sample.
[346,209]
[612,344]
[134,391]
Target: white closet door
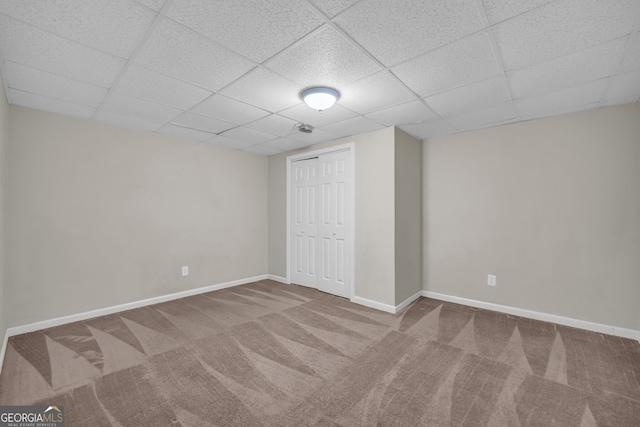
[335,197]
[304,224]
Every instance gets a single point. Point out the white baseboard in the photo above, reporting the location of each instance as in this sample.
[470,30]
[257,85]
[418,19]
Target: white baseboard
[32,327]
[278,279]
[408,301]
[561,320]
[373,304]
[4,348]
[386,307]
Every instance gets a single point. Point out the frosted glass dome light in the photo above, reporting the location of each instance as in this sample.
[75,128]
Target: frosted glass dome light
[320,98]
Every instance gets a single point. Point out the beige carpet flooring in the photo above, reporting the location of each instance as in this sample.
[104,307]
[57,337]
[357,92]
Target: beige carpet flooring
[268,354]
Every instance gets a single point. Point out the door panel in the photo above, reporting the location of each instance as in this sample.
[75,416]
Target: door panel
[304,229]
[333,226]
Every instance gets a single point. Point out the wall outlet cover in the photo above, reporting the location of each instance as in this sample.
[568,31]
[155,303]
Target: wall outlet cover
[491,280]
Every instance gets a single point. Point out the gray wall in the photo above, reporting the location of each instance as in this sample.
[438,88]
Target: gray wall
[4,142]
[374,212]
[551,206]
[101,216]
[408,216]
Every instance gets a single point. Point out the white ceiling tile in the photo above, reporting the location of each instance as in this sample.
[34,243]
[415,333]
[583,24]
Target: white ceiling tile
[143,83]
[562,27]
[324,59]
[394,34]
[286,144]
[304,114]
[631,61]
[411,112]
[500,10]
[265,89]
[137,113]
[259,29]
[179,52]
[153,4]
[570,99]
[30,46]
[114,26]
[30,100]
[275,125]
[373,93]
[494,115]
[184,132]
[315,137]
[624,86]
[333,8]
[229,109]
[353,126]
[618,101]
[580,67]
[203,123]
[476,95]
[465,61]
[248,135]
[223,141]
[263,150]
[429,129]
[50,85]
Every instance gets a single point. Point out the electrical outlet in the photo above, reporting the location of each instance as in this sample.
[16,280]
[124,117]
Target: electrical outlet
[185,270]
[491,280]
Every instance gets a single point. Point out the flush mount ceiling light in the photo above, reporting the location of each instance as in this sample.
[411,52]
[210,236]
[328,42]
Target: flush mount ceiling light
[320,98]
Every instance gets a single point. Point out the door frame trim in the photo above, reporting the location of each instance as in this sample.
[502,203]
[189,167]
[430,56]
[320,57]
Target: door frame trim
[350,146]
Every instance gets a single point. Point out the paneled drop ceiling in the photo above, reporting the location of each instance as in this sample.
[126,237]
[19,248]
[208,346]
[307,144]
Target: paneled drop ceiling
[229,73]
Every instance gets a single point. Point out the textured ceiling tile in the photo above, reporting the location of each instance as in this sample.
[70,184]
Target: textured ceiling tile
[50,85]
[500,10]
[326,58]
[304,114]
[429,129]
[275,125]
[316,137]
[395,32]
[285,144]
[618,101]
[263,150]
[373,93]
[352,126]
[229,109]
[153,4]
[465,61]
[494,115]
[248,135]
[332,8]
[411,112]
[477,95]
[265,89]
[624,86]
[223,141]
[203,123]
[143,83]
[114,26]
[132,112]
[571,99]
[590,64]
[562,27]
[185,133]
[179,52]
[631,61]
[30,100]
[26,45]
[259,29]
